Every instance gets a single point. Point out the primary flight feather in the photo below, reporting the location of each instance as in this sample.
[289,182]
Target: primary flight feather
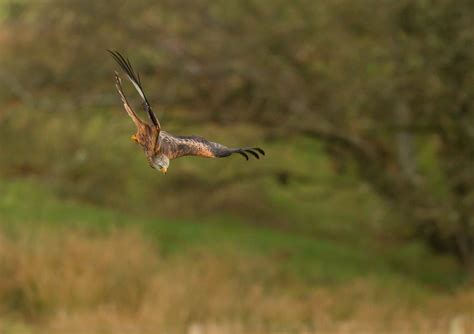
[160,146]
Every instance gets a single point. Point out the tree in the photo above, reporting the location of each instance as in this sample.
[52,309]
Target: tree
[388,86]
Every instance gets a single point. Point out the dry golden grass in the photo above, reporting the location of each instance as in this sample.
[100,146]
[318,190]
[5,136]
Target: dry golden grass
[48,271]
[78,282]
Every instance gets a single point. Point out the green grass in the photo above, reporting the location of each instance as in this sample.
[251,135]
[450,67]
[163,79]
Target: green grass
[315,260]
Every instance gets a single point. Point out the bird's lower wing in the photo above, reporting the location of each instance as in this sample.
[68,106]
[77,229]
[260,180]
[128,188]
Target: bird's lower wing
[181,146]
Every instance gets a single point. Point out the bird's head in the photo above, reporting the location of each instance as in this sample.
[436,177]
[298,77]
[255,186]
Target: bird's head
[160,162]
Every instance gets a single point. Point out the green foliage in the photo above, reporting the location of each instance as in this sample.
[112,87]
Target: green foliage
[386,89]
[95,162]
[365,110]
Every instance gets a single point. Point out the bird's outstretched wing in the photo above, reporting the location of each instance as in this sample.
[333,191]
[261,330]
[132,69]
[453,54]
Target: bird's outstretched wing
[180,146]
[134,78]
[118,84]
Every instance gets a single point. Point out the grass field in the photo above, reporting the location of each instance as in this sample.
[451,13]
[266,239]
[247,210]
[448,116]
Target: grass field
[72,266]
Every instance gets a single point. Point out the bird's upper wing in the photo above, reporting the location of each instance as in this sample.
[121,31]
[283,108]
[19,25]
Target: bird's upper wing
[179,146]
[134,78]
[138,122]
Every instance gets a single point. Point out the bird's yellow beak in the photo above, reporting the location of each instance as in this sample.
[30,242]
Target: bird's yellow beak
[163,170]
[134,138]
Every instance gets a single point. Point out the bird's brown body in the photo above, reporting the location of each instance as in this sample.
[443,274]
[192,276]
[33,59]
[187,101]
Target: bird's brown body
[160,146]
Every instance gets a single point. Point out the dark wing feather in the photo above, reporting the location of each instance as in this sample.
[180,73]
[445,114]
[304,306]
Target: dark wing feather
[134,78]
[179,146]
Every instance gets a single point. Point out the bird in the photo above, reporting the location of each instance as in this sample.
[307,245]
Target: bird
[159,146]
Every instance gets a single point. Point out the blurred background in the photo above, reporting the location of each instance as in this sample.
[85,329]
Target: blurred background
[359,219]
